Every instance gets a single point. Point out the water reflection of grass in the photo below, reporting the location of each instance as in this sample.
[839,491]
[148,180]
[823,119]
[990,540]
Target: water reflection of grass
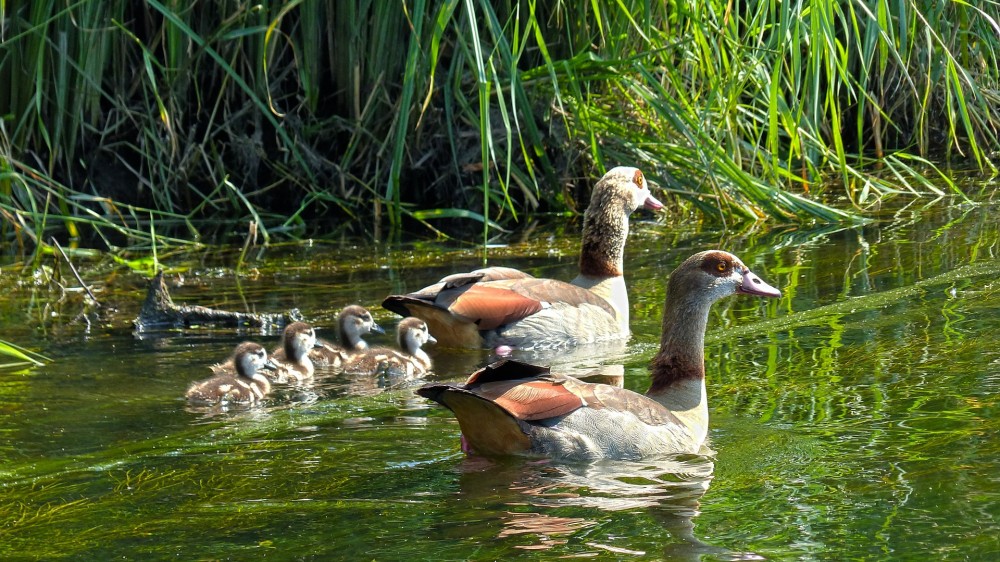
[874,301]
[855,418]
[223,475]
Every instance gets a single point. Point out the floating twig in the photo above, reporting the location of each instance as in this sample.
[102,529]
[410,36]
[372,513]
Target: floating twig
[75,273]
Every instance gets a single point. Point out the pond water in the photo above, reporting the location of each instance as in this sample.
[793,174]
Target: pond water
[856,417]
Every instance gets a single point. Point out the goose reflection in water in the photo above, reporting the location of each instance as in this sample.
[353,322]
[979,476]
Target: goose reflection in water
[669,489]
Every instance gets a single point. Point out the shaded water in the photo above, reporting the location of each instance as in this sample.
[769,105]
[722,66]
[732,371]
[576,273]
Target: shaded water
[855,417]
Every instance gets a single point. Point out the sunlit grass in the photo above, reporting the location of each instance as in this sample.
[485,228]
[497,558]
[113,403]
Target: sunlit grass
[300,114]
[21,357]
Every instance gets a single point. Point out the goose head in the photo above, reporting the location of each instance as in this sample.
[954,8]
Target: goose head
[249,358]
[412,333]
[694,286]
[623,189]
[298,338]
[711,275]
[605,223]
[355,321]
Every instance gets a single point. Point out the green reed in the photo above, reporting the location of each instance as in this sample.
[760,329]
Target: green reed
[20,356]
[298,113]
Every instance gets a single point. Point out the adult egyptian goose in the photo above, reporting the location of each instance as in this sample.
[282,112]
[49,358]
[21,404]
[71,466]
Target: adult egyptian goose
[242,385]
[411,362]
[292,358]
[516,408]
[500,306]
[354,322]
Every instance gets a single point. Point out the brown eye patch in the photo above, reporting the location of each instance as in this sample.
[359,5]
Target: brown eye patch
[638,179]
[717,264]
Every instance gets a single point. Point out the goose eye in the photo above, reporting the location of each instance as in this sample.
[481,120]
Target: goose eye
[638,179]
[722,266]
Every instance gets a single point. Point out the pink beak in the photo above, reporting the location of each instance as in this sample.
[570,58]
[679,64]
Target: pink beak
[652,203]
[753,285]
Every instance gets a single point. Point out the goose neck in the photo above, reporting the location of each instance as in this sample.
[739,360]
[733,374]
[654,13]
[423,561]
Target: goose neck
[603,244]
[682,344]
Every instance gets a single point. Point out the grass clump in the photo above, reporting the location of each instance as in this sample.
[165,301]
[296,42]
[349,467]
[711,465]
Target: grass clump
[298,114]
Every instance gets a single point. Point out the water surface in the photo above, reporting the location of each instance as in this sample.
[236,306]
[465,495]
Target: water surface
[856,417]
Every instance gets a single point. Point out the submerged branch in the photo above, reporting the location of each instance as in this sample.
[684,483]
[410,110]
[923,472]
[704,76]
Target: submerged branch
[159,311]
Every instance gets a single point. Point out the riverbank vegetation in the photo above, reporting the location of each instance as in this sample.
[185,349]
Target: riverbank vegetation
[136,123]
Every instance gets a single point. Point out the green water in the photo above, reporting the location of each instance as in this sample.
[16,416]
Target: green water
[854,418]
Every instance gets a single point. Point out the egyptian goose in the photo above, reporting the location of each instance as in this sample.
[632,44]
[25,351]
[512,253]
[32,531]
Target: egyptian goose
[241,385]
[499,307]
[517,408]
[354,322]
[292,358]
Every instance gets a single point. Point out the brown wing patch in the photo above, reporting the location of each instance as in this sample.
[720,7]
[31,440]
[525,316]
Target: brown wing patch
[528,392]
[488,306]
[551,290]
[525,391]
[486,299]
[531,400]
